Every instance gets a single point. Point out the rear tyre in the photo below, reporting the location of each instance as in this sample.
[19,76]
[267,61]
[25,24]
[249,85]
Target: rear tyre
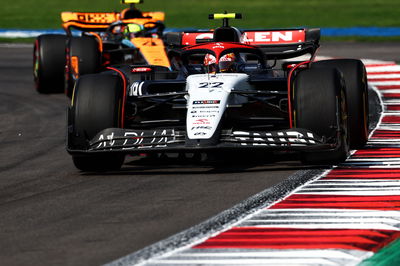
[355,76]
[96,106]
[83,57]
[49,63]
[320,106]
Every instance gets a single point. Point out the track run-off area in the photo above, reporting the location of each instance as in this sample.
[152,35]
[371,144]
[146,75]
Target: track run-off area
[52,214]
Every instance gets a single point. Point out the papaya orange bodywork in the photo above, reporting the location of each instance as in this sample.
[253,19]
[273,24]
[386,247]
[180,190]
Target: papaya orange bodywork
[150,49]
[75,66]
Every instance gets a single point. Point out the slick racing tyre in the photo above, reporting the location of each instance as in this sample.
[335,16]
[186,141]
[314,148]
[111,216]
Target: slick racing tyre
[355,77]
[83,57]
[96,105]
[49,63]
[320,106]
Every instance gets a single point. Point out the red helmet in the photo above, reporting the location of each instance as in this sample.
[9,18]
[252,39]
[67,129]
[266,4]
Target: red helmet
[227,63]
[210,62]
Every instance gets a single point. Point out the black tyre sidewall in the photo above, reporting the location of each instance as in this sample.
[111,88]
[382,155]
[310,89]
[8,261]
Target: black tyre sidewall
[87,50]
[355,76]
[96,106]
[319,98]
[49,63]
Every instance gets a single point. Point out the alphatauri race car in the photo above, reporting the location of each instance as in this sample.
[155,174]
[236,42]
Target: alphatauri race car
[107,38]
[232,90]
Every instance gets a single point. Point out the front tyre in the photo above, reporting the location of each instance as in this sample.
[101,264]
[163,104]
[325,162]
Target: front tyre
[320,106]
[355,76]
[96,105]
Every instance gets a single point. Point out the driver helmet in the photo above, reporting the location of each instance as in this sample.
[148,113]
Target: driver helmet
[227,63]
[118,29]
[132,29]
[210,62]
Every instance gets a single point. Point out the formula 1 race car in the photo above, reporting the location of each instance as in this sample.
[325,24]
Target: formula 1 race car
[239,90]
[107,38]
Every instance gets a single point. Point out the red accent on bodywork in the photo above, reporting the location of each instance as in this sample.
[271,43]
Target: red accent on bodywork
[141,69]
[36,57]
[262,37]
[290,111]
[190,38]
[124,94]
[219,47]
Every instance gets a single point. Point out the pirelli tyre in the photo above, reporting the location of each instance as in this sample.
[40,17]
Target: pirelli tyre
[49,63]
[355,77]
[96,105]
[83,57]
[320,106]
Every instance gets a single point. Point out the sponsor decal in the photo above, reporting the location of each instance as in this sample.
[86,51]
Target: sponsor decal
[203,115]
[218,45]
[273,37]
[136,89]
[141,69]
[94,17]
[201,127]
[159,138]
[207,102]
[135,139]
[283,138]
[205,107]
[109,143]
[209,111]
[201,121]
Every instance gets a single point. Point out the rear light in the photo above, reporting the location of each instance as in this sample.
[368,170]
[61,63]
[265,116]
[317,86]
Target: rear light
[141,69]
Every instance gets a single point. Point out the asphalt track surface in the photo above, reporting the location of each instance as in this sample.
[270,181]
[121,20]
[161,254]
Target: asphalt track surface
[52,214]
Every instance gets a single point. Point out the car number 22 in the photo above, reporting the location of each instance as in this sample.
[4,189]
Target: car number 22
[210,85]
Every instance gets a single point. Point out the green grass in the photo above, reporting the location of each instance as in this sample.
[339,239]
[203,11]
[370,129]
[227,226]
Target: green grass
[17,40]
[33,14]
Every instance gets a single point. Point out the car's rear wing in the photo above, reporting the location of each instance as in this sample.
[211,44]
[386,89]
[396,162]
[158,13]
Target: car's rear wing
[100,21]
[280,43]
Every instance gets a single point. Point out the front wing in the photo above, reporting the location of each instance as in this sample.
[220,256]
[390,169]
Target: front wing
[171,140]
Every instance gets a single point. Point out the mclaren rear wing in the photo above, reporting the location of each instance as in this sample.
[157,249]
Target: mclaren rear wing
[100,21]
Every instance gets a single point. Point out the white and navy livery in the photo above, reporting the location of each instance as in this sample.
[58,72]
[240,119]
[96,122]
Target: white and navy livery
[253,94]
